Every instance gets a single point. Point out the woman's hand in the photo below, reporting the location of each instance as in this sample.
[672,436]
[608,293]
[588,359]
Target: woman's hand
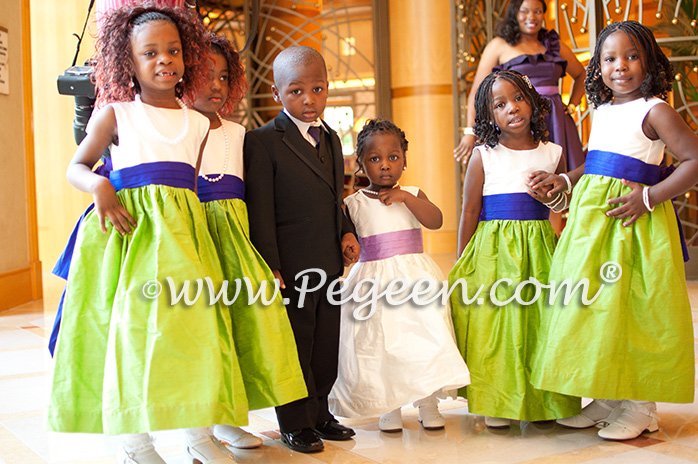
[107,206]
[632,205]
[464,149]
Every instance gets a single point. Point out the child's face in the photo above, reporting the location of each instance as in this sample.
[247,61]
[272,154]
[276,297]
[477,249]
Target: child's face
[511,111]
[215,93]
[621,67]
[157,57]
[383,160]
[303,92]
[530,17]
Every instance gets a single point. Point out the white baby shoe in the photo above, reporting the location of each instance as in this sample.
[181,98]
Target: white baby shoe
[391,422]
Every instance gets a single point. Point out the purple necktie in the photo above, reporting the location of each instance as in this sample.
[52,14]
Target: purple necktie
[314,132]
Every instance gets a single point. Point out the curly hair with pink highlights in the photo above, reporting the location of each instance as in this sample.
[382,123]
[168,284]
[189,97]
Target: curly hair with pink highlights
[237,84]
[114,71]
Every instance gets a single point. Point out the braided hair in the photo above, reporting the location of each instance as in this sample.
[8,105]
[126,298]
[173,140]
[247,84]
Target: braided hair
[114,71]
[508,28]
[378,126]
[659,74]
[485,128]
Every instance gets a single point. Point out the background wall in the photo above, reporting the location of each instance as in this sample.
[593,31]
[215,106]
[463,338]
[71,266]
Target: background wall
[53,47]
[20,268]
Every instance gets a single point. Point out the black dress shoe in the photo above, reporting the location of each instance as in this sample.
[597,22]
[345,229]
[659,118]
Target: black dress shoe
[303,440]
[333,430]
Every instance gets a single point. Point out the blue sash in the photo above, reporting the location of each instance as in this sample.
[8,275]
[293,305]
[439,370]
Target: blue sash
[514,207]
[170,173]
[609,164]
[228,188]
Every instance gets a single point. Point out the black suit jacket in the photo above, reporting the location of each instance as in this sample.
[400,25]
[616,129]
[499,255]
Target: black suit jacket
[294,204]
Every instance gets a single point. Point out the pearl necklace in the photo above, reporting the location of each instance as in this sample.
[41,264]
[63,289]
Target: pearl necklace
[225,161]
[170,141]
[373,192]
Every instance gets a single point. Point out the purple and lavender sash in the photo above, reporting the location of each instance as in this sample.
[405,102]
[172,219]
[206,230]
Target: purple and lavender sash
[228,188]
[389,244]
[609,164]
[513,207]
[170,173]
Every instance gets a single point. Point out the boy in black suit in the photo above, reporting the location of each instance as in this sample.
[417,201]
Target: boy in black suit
[295,175]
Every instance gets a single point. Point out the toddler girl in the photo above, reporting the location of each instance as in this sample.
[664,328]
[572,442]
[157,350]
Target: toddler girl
[394,353]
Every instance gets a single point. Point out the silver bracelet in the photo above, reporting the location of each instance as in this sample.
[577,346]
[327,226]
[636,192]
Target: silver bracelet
[555,202]
[646,198]
[569,182]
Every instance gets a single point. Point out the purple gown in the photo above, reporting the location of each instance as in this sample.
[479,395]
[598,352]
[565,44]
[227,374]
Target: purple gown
[545,70]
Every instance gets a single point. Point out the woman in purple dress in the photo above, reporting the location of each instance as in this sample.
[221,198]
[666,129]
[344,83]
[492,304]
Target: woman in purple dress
[523,45]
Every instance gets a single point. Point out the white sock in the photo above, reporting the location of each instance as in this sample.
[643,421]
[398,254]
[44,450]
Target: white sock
[431,400]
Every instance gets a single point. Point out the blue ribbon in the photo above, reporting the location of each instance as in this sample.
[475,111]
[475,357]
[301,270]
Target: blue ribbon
[228,188]
[609,164]
[170,173]
[513,207]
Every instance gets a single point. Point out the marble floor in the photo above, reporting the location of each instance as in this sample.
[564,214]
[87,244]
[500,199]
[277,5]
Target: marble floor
[25,370]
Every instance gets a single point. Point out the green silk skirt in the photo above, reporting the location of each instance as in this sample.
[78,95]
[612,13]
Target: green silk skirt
[635,341]
[264,340]
[126,363]
[498,342]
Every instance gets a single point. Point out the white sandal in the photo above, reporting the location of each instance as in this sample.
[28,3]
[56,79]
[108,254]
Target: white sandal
[143,455]
[236,437]
[431,418]
[593,413]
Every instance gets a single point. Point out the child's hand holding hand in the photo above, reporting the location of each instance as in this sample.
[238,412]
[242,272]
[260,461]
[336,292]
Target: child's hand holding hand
[350,249]
[541,193]
[277,276]
[545,180]
[632,205]
[107,206]
[393,195]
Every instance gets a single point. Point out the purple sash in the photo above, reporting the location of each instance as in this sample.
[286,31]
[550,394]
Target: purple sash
[228,188]
[513,207]
[547,89]
[609,164]
[389,244]
[170,173]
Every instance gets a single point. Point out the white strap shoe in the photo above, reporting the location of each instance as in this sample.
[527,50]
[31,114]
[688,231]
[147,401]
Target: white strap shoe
[634,418]
[143,455]
[208,450]
[593,413]
[236,437]
[497,422]
[391,422]
[431,418]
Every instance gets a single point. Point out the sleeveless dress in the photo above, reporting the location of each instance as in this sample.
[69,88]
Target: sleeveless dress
[127,359]
[545,71]
[402,352]
[263,337]
[635,341]
[513,240]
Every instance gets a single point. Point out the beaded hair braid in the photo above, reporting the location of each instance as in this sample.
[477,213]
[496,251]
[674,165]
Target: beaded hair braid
[485,128]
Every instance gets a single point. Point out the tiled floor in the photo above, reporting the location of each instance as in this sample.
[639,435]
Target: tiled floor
[25,368]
